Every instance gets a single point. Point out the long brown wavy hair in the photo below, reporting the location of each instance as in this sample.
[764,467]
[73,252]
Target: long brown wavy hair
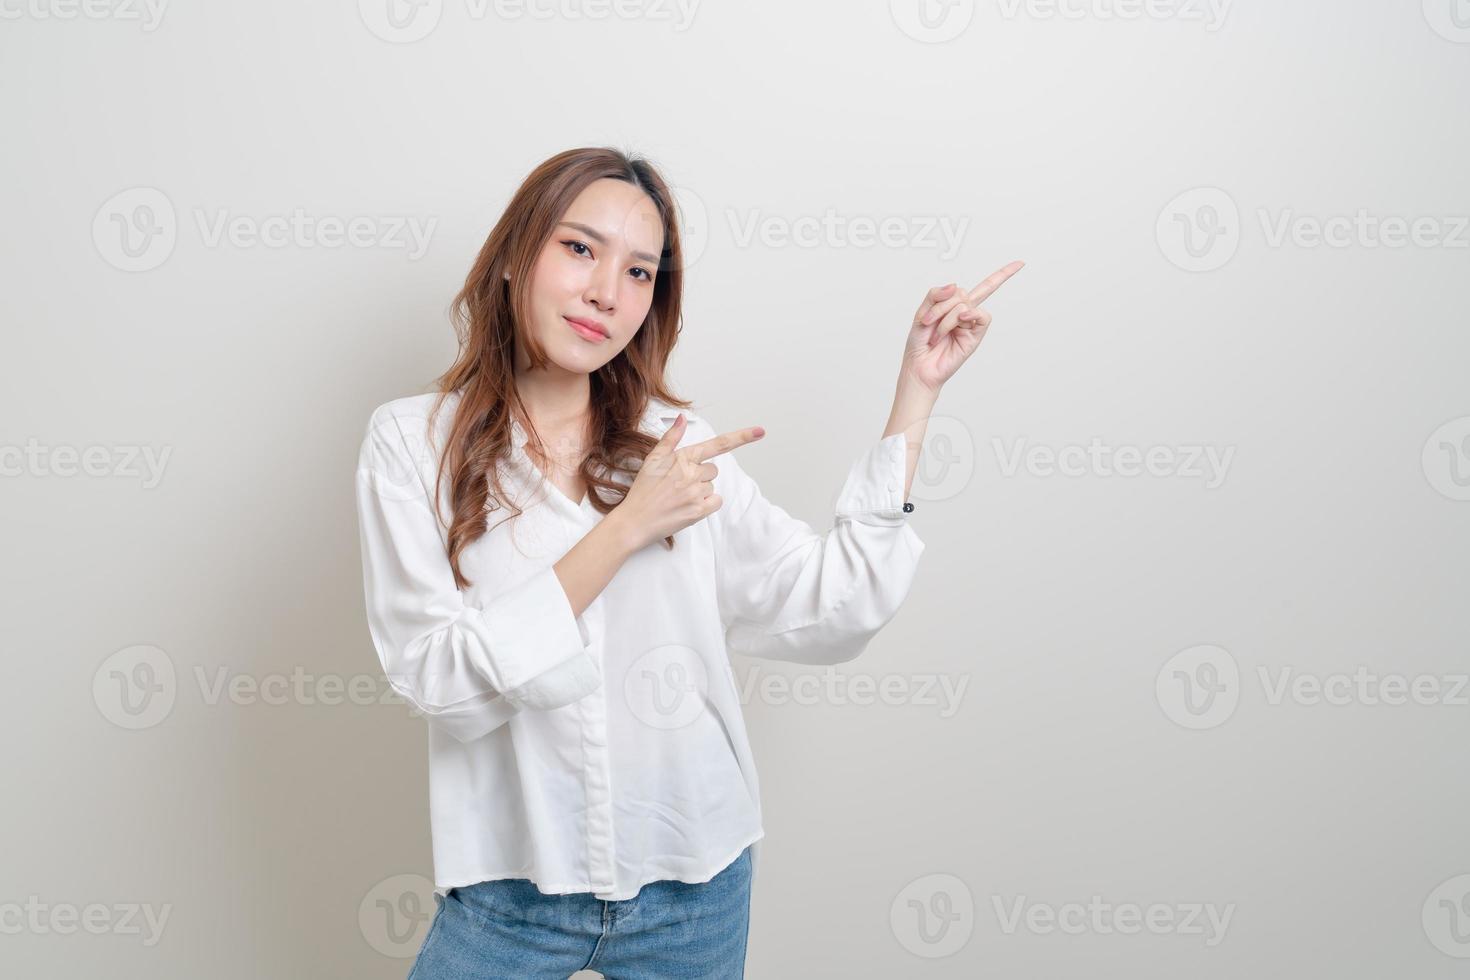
[487,315]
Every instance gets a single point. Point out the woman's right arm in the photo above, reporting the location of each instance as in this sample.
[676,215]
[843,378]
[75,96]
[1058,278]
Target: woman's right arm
[585,570]
[468,668]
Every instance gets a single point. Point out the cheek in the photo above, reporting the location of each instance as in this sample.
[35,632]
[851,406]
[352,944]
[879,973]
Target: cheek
[636,303]
[553,280]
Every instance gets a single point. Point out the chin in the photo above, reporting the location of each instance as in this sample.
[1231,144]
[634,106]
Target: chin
[575,361]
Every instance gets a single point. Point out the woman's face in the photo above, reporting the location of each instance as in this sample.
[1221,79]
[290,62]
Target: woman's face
[597,268]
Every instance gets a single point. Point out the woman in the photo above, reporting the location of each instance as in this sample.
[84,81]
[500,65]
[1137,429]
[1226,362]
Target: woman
[594,804]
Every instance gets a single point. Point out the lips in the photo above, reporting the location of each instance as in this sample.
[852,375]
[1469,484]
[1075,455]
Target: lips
[588,326]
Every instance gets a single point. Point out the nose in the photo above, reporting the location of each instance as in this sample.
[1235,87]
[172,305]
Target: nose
[602,287]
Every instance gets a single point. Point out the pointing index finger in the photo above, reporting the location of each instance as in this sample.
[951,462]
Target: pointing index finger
[723,443]
[994,281]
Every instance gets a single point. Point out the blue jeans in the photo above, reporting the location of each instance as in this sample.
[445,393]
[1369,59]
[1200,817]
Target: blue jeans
[670,929]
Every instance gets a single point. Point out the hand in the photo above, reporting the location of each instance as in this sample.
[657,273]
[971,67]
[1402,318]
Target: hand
[947,328]
[673,488]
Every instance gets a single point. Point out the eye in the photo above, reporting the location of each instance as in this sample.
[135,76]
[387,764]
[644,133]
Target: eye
[573,244]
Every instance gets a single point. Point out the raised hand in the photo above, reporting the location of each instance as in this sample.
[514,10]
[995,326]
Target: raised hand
[948,327]
[674,487]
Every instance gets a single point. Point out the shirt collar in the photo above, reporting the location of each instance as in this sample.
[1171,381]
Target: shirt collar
[658,415]
[518,435]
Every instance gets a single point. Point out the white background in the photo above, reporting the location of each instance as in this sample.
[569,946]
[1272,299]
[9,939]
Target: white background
[1073,766]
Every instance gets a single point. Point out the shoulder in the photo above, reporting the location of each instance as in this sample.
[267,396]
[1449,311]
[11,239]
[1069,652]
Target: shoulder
[411,407]
[403,424]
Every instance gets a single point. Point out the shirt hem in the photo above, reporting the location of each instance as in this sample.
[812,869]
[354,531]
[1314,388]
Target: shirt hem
[441,887]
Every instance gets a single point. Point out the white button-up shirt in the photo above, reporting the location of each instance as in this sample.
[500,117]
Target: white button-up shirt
[599,752]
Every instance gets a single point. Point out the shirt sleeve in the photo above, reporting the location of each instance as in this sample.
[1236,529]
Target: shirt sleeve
[789,593]
[468,668]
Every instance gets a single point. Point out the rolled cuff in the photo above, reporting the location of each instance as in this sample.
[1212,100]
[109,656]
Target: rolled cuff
[531,647]
[873,491]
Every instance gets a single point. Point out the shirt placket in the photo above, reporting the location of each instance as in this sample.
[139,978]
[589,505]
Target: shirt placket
[597,773]
[597,763]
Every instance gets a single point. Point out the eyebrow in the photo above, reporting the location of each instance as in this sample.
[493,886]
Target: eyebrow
[598,237]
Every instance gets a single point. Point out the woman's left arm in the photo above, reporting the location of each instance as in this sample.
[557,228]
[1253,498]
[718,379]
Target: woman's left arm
[789,593]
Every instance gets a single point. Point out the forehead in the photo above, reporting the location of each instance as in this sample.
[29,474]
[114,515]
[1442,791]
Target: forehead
[620,212]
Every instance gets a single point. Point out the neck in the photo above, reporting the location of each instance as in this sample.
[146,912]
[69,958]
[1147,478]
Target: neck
[558,404]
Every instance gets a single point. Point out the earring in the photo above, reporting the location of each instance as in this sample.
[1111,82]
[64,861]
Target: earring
[507,277]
